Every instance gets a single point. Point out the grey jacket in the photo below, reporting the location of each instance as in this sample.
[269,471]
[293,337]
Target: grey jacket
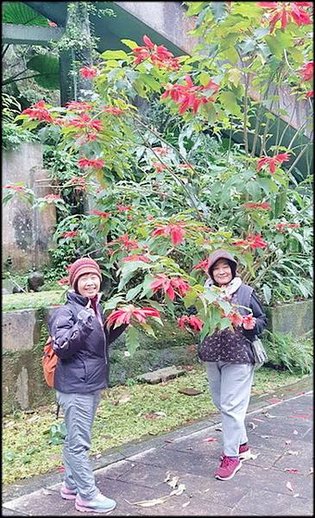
[81,340]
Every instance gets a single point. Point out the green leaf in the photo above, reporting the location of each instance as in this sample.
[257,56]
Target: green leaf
[48,69]
[132,339]
[229,102]
[114,54]
[129,43]
[267,293]
[133,292]
[19,13]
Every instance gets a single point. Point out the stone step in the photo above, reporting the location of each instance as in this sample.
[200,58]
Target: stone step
[159,375]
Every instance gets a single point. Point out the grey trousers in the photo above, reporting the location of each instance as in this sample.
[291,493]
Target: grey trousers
[79,412]
[230,385]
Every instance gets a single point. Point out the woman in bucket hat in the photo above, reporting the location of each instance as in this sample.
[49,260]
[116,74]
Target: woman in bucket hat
[81,340]
[230,362]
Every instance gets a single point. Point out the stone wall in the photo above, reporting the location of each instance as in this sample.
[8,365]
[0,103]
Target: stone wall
[27,232]
[24,333]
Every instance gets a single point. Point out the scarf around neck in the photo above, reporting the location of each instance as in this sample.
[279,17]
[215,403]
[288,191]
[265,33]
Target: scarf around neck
[228,290]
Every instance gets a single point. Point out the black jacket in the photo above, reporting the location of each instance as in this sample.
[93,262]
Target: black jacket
[81,340]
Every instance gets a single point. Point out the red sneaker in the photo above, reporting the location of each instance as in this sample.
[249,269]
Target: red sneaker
[228,467]
[244,452]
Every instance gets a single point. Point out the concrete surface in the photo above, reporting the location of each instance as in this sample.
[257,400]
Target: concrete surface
[277,481]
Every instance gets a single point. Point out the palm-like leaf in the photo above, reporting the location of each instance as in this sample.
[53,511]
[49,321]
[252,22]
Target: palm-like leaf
[21,14]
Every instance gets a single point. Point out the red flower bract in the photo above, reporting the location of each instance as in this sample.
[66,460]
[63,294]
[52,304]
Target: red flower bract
[252,241]
[38,111]
[88,72]
[157,54]
[70,233]
[101,214]
[272,162]
[264,205]
[191,322]
[202,265]
[235,318]
[285,12]
[96,163]
[175,231]
[307,71]
[126,314]
[171,287]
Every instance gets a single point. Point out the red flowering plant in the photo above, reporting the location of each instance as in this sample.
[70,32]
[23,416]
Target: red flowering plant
[171,199]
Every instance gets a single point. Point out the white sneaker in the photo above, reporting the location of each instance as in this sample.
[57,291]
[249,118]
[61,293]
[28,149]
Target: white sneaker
[98,504]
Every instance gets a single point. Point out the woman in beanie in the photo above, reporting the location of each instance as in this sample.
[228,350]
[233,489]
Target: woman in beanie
[230,362]
[81,340]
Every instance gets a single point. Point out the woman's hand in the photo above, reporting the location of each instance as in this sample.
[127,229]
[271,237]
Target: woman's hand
[249,322]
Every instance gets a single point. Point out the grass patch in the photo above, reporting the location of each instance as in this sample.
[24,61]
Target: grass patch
[36,300]
[124,415]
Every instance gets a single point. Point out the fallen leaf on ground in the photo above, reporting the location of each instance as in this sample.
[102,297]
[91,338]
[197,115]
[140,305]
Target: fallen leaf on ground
[189,391]
[173,482]
[270,416]
[210,439]
[154,415]
[178,491]
[46,492]
[291,470]
[124,399]
[150,503]
[289,486]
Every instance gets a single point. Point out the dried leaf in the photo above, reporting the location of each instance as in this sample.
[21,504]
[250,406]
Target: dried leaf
[289,486]
[210,439]
[173,482]
[181,488]
[253,456]
[154,415]
[168,476]
[189,391]
[123,399]
[150,503]
[47,492]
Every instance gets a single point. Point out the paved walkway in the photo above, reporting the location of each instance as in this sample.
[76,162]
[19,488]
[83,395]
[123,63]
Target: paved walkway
[277,481]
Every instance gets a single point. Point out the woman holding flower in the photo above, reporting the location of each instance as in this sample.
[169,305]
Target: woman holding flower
[230,362]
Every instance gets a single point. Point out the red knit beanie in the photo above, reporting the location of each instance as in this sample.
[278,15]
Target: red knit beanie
[81,267]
